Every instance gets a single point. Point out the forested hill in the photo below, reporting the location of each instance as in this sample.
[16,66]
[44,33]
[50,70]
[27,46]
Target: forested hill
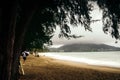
[87,47]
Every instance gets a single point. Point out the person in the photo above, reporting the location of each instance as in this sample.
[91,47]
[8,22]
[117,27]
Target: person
[24,56]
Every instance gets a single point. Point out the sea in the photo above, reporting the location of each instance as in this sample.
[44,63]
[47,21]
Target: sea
[108,59]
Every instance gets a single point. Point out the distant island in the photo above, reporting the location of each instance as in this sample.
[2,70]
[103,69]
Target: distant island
[88,47]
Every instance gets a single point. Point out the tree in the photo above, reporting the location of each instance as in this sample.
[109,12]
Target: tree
[11,36]
[111,16]
[7,35]
[14,26]
[45,21]
[16,15]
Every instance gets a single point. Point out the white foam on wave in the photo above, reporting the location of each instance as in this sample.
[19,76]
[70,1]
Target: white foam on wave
[84,60]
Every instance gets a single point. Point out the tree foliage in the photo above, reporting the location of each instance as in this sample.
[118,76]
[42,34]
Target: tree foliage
[111,16]
[54,13]
[62,13]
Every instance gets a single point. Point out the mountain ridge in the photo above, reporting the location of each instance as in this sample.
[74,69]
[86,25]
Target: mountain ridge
[82,47]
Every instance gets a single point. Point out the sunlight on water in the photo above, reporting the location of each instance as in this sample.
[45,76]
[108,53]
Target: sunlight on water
[87,59]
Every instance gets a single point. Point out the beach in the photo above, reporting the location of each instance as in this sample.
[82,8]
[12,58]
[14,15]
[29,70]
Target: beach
[47,68]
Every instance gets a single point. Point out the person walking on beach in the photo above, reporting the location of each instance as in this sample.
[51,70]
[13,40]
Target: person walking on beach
[24,56]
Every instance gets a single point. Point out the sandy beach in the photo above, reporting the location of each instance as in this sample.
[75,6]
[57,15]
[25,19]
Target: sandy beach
[46,68]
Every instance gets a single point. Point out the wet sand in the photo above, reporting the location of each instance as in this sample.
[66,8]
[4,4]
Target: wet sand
[46,68]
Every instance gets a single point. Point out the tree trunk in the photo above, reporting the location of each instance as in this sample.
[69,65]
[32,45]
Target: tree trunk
[7,36]
[19,39]
[12,36]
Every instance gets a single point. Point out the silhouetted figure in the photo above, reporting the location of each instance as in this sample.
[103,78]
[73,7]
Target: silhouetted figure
[24,55]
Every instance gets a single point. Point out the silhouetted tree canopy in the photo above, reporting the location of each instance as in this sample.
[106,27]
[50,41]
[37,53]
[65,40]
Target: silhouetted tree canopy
[111,16]
[54,13]
[62,13]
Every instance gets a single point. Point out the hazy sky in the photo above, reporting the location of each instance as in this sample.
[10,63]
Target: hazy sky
[97,36]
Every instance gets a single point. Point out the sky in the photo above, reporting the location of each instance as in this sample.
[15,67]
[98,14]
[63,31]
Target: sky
[96,36]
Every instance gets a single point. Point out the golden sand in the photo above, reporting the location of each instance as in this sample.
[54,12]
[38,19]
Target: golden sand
[45,68]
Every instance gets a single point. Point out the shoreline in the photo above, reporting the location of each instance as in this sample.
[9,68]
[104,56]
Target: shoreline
[91,62]
[85,65]
[47,68]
